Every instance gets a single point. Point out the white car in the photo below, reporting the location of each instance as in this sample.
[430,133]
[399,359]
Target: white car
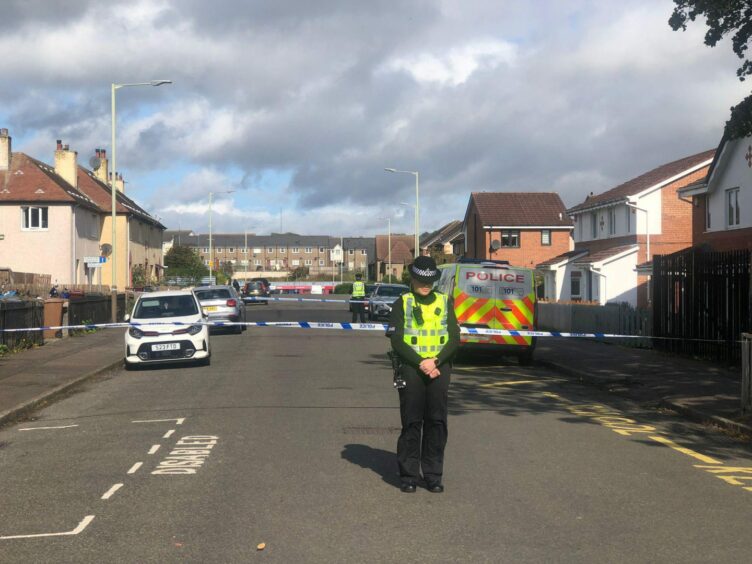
[182,338]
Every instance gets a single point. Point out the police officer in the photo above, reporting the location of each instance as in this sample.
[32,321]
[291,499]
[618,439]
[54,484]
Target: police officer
[425,335]
[358,298]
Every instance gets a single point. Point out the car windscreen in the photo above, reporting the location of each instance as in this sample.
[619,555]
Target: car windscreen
[254,286]
[214,294]
[496,283]
[165,306]
[390,292]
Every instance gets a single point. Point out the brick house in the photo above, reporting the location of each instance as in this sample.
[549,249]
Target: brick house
[447,240]
[403,253]
[524,228]
[614,229]
[722,200]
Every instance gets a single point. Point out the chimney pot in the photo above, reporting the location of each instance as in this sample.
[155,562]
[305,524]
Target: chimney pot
[66,147]
[59,145]
[97,153]
[3,132]
[104,153]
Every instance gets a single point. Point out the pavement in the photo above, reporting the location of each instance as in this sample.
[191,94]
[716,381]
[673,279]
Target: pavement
[698,390]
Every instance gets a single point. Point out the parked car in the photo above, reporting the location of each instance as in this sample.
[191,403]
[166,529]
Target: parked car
[369,289]
[222,303]
[186,341]
[255,290]
[380,300]
[265,282]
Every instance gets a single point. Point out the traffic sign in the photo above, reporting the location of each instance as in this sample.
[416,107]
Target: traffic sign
[88,260]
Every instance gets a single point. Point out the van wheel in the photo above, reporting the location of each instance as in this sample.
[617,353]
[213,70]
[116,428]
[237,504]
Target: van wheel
[526,358]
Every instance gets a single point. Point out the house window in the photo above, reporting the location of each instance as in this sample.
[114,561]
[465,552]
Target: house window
[593,225]
[575,289]
[322,250]
[308,262]
[546,237]
[732,207]
[282,250]
[308,250]
[206,250]
[231,250]
[351,251]
[322,262]
[295,250]
[611,221]
[245,250]
[629,219]
[270,250]
[510,238]
[363,252]
[257,262]
[707,214]
[296,262]
[218,250]
[34,218]
[256,250]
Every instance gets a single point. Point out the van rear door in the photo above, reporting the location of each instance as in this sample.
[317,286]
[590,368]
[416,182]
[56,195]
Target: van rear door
[497,297]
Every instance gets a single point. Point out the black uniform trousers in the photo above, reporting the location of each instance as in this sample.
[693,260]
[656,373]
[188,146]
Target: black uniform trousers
[423,408]
[358,309]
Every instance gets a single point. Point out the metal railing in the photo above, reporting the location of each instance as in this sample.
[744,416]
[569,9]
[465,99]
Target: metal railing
[746,394]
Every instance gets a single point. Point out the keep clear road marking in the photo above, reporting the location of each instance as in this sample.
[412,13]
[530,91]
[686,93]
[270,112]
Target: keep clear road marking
[43,428]
[112,491]
[154,449]
[81,526]
[135,467]
[168,434]
[178,420]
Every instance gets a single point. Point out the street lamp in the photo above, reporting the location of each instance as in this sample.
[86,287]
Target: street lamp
[113,188]
[417,204]
[211,249]
[389,243]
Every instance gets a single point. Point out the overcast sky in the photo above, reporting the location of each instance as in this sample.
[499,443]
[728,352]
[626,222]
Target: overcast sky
[299,105]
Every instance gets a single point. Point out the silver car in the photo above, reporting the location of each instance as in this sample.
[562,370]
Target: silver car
[222,303]
[380,300]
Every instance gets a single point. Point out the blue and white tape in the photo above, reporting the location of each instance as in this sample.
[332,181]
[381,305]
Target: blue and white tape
[343,327]
[299,300]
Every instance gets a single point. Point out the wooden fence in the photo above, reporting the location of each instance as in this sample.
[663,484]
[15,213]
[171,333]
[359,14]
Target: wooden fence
[701,301]
[18,315]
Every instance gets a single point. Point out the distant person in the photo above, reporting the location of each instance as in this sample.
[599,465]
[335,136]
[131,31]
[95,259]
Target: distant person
[236,285]
[425,336]
[358,298]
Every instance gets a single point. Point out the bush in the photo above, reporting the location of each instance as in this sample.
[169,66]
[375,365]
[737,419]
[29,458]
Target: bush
[345,288]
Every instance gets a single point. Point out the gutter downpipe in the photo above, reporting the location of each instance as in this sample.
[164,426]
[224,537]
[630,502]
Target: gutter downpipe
[74,272]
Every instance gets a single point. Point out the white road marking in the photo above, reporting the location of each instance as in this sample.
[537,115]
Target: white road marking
[81,526]
[178,420]
[168,434]
[41,428]
[154,449]
[112,491]
[135,467]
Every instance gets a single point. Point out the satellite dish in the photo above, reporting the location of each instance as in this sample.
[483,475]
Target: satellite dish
[95,163]
[106,249]
[495,244]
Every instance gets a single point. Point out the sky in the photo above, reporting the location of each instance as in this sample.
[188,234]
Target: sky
[296,107]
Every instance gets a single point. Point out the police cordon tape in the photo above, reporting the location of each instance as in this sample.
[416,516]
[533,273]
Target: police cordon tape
[342,326]
[317,300]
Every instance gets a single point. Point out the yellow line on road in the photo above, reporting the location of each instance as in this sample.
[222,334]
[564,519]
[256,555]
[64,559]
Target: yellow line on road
[689,452]
[510,383]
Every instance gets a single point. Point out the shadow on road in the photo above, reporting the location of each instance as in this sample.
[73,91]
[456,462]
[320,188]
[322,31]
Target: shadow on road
[382,462]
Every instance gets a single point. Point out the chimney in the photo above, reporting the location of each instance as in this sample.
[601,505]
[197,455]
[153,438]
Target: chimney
[4,149]
[119,183]
[66,165]
[101,173]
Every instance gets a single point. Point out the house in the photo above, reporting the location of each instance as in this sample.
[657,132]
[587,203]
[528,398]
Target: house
[284,252]
[139,235]
[524,228]
[447,240]
[722,201]
[170,238]
[618,231]
[402,254]
[47,225]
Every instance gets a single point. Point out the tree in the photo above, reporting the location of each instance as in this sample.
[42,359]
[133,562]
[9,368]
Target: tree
[724,18]
[184,262]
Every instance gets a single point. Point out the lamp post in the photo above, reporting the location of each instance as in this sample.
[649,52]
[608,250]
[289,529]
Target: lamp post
[389,243]
[417,204]
[114,88]
[211,249]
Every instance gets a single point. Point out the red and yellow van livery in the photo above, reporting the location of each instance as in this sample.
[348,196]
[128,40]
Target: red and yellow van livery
[495,296]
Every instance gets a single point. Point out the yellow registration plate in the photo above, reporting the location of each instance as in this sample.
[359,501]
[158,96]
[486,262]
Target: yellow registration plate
[210,308]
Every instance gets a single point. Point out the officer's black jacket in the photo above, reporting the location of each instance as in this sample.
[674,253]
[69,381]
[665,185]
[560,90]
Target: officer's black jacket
[396,331]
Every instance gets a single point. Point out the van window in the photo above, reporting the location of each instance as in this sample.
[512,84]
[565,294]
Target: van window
[496,283]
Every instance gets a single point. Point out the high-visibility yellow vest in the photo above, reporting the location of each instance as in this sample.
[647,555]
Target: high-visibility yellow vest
[429,337]
[359,290]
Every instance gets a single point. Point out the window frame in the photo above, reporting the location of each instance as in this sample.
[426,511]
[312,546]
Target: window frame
[543,242]
[612,221]
[308,250]
[575,275]
[733,213]
[43,218]
[594,225]
[509,235]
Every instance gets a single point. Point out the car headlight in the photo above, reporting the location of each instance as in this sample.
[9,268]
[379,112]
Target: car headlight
[195,329]
[135,332]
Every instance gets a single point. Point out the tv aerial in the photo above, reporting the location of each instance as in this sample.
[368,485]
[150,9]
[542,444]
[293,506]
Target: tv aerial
[495,244]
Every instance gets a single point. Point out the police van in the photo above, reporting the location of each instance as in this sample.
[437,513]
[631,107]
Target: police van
[492,295]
